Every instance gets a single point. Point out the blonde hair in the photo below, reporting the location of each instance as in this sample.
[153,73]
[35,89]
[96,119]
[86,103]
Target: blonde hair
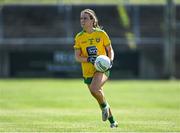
[92,16]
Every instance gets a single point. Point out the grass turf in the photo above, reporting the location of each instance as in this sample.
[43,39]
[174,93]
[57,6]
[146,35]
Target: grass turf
[56,105]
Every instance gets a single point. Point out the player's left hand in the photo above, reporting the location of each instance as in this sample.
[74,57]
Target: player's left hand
[110,65]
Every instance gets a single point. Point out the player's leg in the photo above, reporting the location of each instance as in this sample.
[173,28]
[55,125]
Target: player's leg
[97,91]
[96,87]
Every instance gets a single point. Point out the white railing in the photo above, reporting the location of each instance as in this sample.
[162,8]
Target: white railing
[70,40]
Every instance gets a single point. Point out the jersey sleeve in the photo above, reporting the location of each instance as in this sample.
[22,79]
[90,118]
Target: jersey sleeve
[76,43]
[106,39]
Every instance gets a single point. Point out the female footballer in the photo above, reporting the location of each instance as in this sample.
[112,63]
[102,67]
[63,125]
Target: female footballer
[89,43]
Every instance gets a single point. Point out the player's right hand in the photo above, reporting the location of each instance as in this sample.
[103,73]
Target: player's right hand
[91,59]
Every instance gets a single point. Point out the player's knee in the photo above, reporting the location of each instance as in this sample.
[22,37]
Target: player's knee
[95,90]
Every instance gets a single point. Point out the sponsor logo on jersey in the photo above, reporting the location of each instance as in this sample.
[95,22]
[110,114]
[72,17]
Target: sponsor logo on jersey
[92,50]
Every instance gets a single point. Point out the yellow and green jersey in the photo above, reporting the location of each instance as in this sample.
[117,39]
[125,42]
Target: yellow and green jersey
[91,44]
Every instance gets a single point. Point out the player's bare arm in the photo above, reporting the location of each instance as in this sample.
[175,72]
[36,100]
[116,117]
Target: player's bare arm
[79,57]
[110,52]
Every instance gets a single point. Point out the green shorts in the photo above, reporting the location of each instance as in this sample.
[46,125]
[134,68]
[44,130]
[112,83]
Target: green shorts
[89,79]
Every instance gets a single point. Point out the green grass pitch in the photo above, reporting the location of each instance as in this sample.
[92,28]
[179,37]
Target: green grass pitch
[57,105]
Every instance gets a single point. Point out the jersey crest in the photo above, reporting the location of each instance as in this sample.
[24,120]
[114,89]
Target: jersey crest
[98,40]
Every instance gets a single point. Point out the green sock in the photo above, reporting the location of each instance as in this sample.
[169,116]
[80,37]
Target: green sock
[103,105]
[111,119]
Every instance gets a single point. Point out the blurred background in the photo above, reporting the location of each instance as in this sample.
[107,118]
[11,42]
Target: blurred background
[37,37]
